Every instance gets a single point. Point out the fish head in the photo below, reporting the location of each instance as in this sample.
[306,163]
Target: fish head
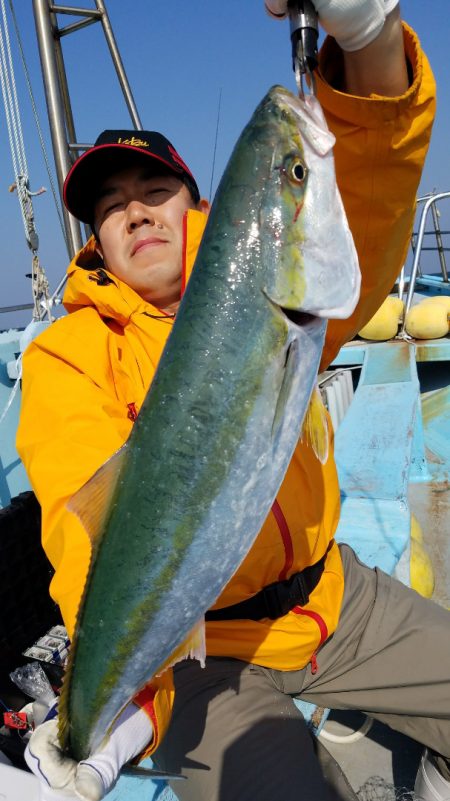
[306,244]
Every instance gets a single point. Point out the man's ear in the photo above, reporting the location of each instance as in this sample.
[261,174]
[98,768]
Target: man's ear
[204,205]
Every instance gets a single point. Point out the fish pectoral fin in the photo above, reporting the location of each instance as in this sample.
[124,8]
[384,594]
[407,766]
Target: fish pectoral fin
[315,426]
[93,501]
[285,388]
[193,647]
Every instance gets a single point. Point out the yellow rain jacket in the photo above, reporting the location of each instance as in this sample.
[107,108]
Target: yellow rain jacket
[87,375]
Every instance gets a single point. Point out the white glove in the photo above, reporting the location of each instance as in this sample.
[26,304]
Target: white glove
[353,23]
[62,778]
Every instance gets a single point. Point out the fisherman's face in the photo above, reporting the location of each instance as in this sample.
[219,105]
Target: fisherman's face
[138,218]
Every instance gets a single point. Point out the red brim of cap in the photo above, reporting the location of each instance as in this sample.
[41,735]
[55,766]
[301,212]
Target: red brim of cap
[79,187]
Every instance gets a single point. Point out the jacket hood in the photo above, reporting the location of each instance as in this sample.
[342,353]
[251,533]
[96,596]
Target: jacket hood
[90,284]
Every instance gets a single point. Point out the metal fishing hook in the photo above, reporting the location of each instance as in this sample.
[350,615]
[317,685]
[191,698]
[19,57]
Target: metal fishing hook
[304,35]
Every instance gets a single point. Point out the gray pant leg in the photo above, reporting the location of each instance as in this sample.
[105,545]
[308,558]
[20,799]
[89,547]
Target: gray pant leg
[390,657]
[237,737]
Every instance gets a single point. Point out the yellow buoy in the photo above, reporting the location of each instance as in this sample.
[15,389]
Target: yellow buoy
[429,319]
[384,323]
[443,300]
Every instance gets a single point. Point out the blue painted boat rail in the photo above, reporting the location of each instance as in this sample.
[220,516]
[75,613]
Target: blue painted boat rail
[13,478]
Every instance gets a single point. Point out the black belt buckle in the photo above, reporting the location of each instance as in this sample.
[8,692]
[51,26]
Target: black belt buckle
[273,601]
[298,591]
[281,596]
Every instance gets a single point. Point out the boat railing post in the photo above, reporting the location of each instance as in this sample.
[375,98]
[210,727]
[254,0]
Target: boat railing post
[439,243]
[118,64]
[62,126]
[429,202]
[55,106]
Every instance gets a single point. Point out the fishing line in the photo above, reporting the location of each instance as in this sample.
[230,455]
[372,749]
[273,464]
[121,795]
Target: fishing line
[215,144]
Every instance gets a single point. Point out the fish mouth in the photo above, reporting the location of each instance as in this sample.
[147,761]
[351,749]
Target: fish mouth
[300,318]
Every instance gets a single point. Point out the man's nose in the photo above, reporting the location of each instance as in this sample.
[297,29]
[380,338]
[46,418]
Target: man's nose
[138,214]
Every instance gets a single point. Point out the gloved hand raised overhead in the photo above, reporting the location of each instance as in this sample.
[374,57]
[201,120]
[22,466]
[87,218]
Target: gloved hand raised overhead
[353,23]
[91,779]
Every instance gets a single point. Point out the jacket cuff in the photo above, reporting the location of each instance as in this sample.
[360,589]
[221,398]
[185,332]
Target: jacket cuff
[145,699]
[372,111]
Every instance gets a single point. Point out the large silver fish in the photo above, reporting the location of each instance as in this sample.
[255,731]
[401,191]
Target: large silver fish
[217,430]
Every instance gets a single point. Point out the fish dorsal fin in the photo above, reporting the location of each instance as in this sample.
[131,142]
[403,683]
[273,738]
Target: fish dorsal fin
[315,427]
[92,502]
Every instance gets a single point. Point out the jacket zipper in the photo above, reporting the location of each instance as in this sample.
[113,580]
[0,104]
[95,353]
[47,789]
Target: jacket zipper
[298,610]
[132,412]
[286,538]
[288,562]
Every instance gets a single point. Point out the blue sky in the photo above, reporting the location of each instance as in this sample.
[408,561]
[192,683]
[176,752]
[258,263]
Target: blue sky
[178,57]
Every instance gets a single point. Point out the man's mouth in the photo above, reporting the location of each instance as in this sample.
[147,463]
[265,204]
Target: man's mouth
[150,241]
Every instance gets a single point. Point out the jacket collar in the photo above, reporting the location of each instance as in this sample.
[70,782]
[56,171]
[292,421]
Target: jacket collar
[89,284]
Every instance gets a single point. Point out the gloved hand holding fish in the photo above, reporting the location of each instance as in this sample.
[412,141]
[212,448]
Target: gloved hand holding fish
[93,778]
[353,23]
[208,452]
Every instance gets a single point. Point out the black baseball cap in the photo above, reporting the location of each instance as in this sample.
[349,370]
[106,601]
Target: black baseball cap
[110,151]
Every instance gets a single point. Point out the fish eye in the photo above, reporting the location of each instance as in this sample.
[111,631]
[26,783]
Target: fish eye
[297,171]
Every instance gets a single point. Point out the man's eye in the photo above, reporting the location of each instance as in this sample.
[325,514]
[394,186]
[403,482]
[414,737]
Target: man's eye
[157,190]
[112,206]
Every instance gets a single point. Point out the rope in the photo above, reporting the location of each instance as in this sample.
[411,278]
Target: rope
[17,147]
[344,739]
[11,105]
[377,789]
[40,288]
[38,124]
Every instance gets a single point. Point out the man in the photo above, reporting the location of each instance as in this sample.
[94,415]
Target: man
[233,728]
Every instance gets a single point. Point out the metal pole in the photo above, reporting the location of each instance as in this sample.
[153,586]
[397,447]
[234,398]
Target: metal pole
[56,113]
[69,129]
[118,64]
[20,307]
[439,243]
[74,11]
[420,235]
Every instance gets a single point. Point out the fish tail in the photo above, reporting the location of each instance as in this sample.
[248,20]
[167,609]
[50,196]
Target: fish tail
[193,647]
[315,427]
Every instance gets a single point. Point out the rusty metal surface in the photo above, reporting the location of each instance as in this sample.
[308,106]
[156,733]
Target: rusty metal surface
[437,405]
[430,503]
[433,350]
